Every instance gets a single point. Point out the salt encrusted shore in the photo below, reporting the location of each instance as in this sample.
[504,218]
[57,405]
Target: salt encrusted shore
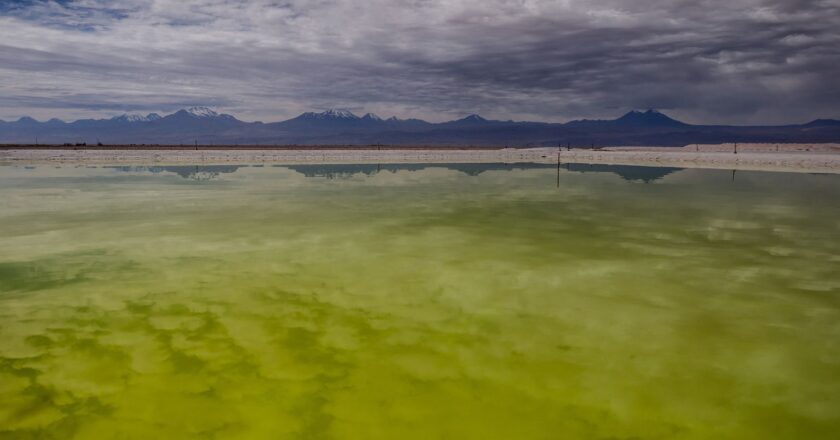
[820,158]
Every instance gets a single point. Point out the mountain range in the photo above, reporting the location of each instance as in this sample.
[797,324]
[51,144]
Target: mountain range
[202,125]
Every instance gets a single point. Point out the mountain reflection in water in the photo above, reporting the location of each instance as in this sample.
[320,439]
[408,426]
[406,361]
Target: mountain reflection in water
[345,171]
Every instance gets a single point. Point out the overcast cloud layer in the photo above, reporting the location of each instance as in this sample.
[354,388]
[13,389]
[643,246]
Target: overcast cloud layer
[705,61]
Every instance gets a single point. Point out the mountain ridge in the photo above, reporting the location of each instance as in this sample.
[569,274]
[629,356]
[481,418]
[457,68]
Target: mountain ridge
[207,112]
[340,126]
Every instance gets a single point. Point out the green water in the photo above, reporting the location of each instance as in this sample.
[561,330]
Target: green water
[401,302]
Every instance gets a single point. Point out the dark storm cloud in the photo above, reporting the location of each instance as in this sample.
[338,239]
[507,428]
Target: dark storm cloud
[741,61]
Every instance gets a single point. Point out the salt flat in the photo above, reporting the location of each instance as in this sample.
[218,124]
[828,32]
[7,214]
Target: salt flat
[824,158]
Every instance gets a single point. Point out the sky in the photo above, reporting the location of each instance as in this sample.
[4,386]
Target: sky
[702,61]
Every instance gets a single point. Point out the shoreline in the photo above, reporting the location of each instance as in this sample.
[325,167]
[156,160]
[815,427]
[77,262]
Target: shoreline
[813,158]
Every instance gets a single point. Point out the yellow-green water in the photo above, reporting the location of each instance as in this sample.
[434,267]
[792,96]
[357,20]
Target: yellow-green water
[454,302]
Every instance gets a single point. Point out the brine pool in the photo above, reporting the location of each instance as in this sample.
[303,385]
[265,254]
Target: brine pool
[460,301]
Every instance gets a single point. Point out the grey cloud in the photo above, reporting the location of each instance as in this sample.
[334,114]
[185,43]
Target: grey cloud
[709,61]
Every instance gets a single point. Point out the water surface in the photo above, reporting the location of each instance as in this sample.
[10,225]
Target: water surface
[415,301]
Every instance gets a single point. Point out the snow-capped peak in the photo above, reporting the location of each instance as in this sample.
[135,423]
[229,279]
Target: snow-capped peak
[129,118]
[338,113]
[330,114]
[136,118]
[371,117]
[645,112]
[202,112]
